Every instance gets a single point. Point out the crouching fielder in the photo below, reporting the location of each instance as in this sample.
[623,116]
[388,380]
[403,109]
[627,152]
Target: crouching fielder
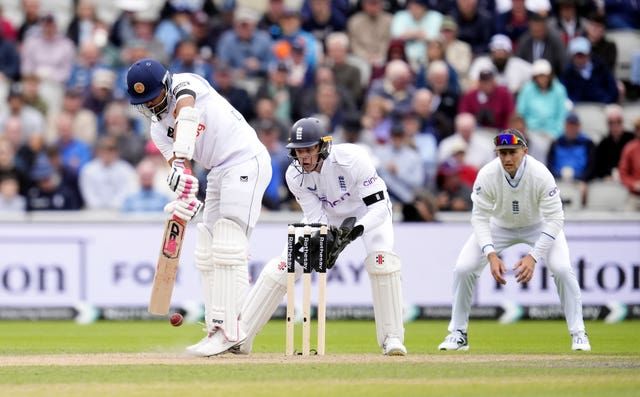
[515,200]
[331,185]
[190,120]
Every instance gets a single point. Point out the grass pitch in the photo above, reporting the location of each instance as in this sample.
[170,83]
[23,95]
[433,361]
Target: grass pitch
[529,358]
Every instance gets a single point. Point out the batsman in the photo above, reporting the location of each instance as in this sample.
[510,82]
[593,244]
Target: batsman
[190,120]
[337,186]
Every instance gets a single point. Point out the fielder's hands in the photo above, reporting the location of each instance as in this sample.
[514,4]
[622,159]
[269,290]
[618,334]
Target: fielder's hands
[183,208]
[181,181]
[524,269]
[497,268]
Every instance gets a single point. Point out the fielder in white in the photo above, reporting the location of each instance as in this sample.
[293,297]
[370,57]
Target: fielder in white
[515,200]
[332,184]
[190,120]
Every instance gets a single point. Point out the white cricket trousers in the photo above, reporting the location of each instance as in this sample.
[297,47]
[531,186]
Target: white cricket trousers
[471,262]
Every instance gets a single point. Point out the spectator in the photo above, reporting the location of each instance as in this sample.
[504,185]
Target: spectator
[277,193]
[269,22]
[514,22]
[74,153]
[187,60]
[278,88]
[511,72]
[48,194]
[629,168]
[323,20]
[174,28]
[430,121]
[610,148]
[352,131]
[622,14]
[107,179]
[31,21]
[238,97]
[48,54]
[119,124]
[425,144]
[31,95]
[8,166]
[567,22]
[541,42]
[301,75]
[452,193]
[435,52]
[202,36]
[101,92]
[346,75]
[85,123]
[10,198]
[377,120]
[476,145]
[85,27]
[68,177]
[291,32]
[370,32]
[601,48]
[572,155]
[147,199]
[7,30]
[307,95]
[401,167]
[266,112]
[143,34]
[31,120]
[415,26]
[397,86]
[445,100]
[327,104]
[244,48]
[587,79]
[490,103]
[543,101]
[9,61]
[475,25]
[457,52]
[88,61]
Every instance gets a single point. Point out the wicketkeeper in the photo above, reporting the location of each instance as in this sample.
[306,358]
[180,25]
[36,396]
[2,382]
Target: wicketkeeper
[338,186]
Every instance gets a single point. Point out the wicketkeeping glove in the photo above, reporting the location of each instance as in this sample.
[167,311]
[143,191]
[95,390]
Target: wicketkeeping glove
[181,181]
[314,249]
[342,236]
[184,209]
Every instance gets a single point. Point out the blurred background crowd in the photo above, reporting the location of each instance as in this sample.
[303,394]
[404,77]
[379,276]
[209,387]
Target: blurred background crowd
[423,85]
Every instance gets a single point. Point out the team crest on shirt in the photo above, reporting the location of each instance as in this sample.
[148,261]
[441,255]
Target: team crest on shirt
[170,132]
[343,184]
[515,207]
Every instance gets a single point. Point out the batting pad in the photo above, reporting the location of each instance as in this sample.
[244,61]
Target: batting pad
[386,291]
[263,300]
[203,258]
[230,279]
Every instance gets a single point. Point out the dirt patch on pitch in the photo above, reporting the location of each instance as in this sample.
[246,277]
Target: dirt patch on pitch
[230,359]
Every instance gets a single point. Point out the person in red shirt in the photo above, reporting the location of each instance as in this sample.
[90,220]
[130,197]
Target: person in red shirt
[629,168]
[492,104]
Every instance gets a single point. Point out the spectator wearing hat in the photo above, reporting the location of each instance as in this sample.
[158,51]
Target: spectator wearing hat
[101,92]
[513,23]
[48,54]
[629,168]
[567,22]
[475,25]
[490,103]
[415,26]
[511,71]
[96,178]
[291,32]
[370,32]
[572,155]
[541,42]
[542,101]
[174,27]
[601,48]
[457,53]
[244,48]
[301,74]
[453,193]
[74,153]
[323,19]
[610,148]
[588,79]
[48,194]
[225,84]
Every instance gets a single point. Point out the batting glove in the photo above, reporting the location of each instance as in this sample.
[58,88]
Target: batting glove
[181,181]
[184,209]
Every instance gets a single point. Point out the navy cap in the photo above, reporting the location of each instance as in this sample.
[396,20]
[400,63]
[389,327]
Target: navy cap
[573,118]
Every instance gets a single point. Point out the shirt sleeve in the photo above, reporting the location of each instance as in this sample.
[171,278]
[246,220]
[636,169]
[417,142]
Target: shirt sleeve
[552,215]
[372,190]
[483,204]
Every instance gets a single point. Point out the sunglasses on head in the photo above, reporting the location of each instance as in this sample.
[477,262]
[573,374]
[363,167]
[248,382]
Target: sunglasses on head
[507,139]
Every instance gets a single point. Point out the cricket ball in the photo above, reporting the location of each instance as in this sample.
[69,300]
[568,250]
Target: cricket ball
[176,319]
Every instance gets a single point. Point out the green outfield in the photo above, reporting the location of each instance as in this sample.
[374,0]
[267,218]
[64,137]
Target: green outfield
[529,358]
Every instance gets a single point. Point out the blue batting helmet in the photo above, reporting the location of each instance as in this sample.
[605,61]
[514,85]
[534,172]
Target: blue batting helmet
[145,80]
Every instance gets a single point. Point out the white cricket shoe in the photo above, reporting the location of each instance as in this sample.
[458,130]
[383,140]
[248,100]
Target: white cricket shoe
[216,343]
[393,347]
[193,349]
[457,340]
[580,341]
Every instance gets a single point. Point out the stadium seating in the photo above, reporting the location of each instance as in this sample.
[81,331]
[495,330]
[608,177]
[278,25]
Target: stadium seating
[570,194]
[606,196]
[627,42]
[592,120]
[631,114]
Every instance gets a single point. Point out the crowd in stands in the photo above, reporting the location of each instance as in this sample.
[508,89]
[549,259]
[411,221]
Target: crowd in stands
[423,85]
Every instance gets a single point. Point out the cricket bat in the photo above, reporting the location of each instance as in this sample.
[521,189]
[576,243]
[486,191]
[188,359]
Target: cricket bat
[167,268]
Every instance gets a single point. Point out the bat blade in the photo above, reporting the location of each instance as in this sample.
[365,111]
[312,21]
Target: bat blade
[167,267]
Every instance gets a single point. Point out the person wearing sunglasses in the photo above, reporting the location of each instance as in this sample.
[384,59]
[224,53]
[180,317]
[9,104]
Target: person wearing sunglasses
[515,200]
